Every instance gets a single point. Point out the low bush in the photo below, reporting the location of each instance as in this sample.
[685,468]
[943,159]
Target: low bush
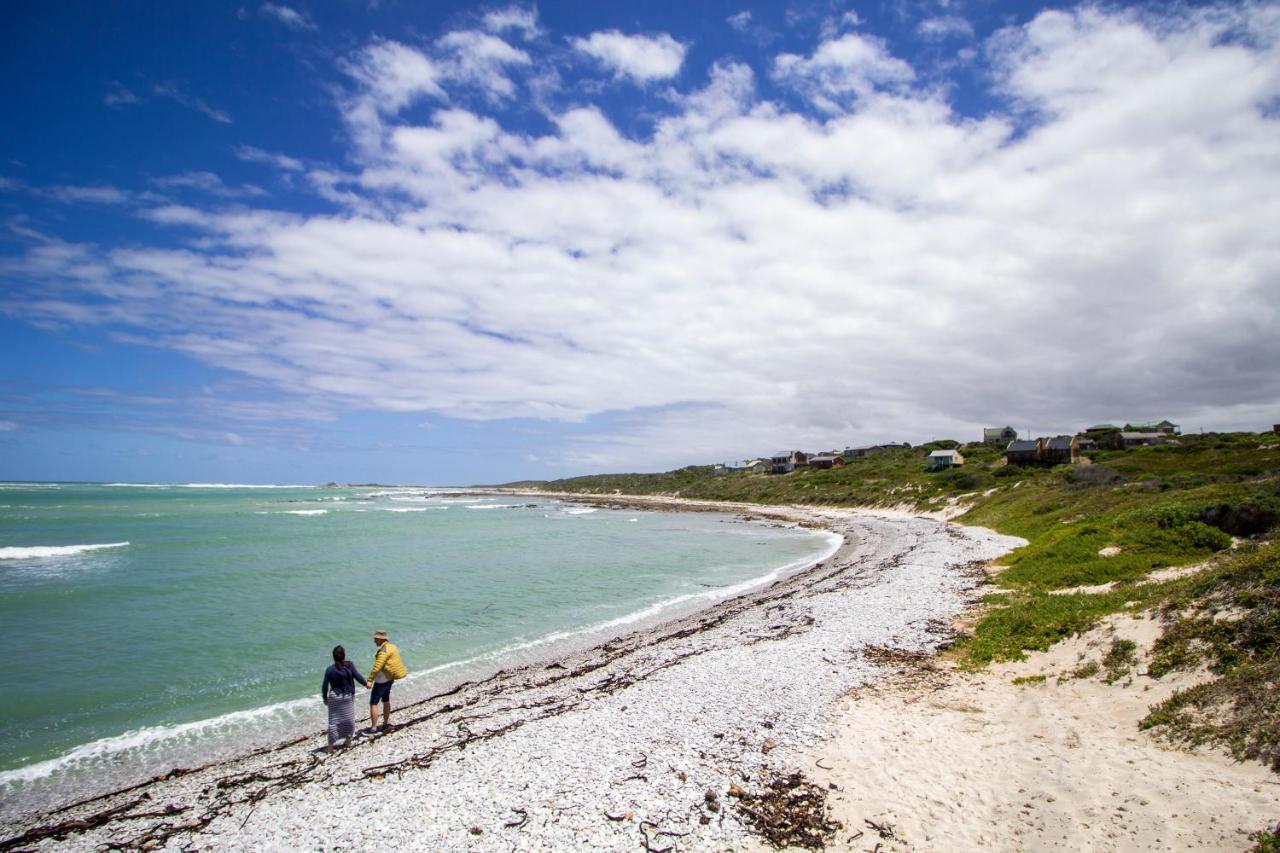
[1092,475]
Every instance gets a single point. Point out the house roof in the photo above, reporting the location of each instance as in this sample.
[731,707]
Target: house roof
[1023,446]
[827,457]
[942,454]
[995,432]
[1061,442]
[1101,427]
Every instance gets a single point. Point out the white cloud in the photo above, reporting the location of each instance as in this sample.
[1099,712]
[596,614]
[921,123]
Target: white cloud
[287,15]
[740,21]
[523,21]
[234,439]
[851,65]
[250,154]
[83,195]
[746,275]
[391,76]
[640,58]
[8,426]
[944,27]
[481,60]
[207,182]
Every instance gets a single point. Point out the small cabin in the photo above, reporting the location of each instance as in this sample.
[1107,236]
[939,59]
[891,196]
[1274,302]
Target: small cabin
[1061,450]
[1024,451]
[940,459]
[826,460]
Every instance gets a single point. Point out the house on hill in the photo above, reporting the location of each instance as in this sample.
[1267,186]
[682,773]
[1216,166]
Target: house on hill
[1061,450]
[1162,427]
[1024,451]
[999,436]
[1130,439]
[940,459]
[826,460]
[786,461]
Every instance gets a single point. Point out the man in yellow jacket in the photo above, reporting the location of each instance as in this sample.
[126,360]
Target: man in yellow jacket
[388,667]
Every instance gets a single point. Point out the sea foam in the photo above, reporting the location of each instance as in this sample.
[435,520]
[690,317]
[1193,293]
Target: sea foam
[37,551]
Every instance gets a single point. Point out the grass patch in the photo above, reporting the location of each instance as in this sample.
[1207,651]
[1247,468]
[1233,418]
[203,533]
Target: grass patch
[1229,621]
[1267,840]
[1035,621]
[1120,660]
[1029,679]
[1088,669]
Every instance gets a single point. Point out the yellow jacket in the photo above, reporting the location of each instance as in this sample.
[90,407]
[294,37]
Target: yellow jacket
[388,658]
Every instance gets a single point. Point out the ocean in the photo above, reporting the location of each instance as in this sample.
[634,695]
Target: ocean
[152,626]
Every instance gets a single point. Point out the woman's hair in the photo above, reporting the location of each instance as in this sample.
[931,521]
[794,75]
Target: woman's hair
[340,656]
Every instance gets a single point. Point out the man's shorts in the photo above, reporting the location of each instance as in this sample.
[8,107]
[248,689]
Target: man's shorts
[381,692]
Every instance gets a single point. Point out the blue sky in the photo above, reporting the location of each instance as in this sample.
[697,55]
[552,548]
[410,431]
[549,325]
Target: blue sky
[453,243]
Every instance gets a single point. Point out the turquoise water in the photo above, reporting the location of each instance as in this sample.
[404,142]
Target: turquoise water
[203,619]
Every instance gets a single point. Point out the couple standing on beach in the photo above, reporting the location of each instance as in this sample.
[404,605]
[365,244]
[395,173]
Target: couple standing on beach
[339,689]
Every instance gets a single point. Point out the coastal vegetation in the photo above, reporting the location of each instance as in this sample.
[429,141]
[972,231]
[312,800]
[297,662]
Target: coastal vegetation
[1183,529]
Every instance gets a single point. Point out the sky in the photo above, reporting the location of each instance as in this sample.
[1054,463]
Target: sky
[449,243]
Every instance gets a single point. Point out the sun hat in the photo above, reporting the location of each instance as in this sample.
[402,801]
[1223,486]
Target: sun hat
[380,635]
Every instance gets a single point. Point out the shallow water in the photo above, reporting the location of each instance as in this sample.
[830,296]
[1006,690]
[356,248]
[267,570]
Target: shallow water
[148,627]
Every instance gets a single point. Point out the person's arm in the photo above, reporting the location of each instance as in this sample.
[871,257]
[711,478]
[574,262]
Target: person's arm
[358,677]
[324,687]
[379,661]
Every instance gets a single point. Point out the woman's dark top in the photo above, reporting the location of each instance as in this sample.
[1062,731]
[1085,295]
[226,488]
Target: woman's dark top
[342,679]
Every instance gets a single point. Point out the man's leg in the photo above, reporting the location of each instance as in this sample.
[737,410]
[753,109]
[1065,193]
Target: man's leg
[386,712]
[373,716]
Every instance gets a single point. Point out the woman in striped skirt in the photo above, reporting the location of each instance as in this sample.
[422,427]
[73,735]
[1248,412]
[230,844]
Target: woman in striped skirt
[339,693]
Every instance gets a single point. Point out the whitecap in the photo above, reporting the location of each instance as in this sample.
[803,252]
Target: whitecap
[207,486]
[38,551]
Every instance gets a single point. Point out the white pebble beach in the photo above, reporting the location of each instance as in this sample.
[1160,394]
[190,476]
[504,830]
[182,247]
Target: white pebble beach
[615,747]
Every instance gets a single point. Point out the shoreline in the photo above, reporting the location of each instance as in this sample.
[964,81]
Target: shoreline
[561,702]
[513,655]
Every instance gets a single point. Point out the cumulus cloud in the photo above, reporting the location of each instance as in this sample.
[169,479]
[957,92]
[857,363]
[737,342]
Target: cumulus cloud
[481,59]
[287,15]
[390,76]
[643,59]
[746,275]
[851,65]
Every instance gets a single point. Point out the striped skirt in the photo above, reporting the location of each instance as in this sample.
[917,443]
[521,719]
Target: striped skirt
[342,716]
